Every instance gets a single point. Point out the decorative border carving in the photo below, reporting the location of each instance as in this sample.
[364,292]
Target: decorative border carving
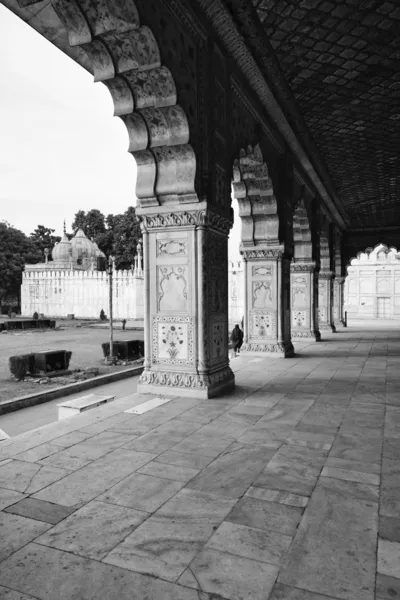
[285,348]
[167,247]
[173,361]
[325,275]
[187,380]
[262,254]
[190,218]
[302,267]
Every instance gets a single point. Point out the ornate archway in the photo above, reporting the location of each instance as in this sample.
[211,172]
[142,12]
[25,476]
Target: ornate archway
[303,279]
[266,271]
[186,347]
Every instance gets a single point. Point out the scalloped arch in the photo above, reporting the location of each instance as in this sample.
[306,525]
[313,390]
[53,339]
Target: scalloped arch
[107,38]
[301,234]
[377,249]
[252,188]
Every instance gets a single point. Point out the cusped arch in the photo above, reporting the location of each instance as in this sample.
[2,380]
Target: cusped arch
[107,38]
[301,234]
[253,189]
[376,254]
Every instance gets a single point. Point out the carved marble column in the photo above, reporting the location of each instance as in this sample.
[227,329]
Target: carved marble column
[325,295]
[304,311]
[267,304]
[186,302]
[338,301]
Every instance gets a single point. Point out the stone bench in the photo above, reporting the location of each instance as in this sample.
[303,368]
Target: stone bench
[79,405]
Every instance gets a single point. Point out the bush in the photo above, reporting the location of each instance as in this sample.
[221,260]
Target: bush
[21,365]
[68,355]
[106,349]
[35,316]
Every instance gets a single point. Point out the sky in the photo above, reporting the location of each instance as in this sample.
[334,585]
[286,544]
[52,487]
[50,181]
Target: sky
[61,149]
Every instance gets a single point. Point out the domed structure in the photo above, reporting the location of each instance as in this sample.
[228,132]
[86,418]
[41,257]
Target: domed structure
[83,250]
[62,250]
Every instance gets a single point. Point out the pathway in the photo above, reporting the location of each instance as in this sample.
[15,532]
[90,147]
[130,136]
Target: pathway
[286,489]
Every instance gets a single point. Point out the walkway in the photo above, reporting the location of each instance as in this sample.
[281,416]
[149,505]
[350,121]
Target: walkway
[288,489]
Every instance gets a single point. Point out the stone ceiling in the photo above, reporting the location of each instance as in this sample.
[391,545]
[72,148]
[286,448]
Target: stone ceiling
[342,62]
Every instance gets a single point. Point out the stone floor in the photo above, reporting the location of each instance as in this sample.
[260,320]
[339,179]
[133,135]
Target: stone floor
[287,489]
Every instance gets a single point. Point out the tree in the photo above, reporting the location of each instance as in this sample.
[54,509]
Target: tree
[92,222]
[16,249]
[43,238]
[126,230]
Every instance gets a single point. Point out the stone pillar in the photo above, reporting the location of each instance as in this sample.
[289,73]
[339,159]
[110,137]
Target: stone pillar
[325,293]
[185,302]
[267,302]
[338,302]
[303,307]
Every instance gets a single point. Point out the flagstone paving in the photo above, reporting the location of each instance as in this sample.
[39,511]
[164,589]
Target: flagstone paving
[286,489]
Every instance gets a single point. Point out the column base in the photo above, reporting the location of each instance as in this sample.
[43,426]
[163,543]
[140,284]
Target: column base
[189,385]
[306,336]
[273,349]
[326,327]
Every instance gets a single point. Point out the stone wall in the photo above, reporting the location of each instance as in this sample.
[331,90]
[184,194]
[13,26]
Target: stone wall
[82,293]
[372,287]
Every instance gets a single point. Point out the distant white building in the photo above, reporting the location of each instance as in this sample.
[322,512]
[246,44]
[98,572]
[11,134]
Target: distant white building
[74,283]
[372,286]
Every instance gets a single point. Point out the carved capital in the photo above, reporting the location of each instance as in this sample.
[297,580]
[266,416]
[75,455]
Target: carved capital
[325,275]
[197,218]
[262,253]
[296,267]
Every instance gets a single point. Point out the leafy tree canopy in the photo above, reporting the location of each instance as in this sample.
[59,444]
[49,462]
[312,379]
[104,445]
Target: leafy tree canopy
[16,249]
[117,235]
[43,238]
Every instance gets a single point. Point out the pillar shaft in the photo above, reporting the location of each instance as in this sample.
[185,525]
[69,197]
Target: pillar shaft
[186,303]
[303,306]
[338,301]
[267,304]
[325,294]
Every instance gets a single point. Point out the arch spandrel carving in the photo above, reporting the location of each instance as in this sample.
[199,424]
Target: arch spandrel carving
[108,39]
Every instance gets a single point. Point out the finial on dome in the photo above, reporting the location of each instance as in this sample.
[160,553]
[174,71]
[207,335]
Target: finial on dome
[65,228]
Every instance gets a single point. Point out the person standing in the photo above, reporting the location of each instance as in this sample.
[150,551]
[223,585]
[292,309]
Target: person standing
[237,339]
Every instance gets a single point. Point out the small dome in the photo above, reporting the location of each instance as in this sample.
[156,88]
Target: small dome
[62,250]
[82,247]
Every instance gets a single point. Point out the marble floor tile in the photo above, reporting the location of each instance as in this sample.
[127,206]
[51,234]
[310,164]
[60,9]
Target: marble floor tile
[204,445]
[277,496]
[174,472]
[16,531]
[9,497]
[256,544]
[181,459]
[311,439]
[348,475]
[44,477]
[69,439]
[233,472]
[391,448]
[154,442]
[97,446]
[142,492]
[353,465]
[390,488]
[161,546]
[269,516]
[38,453]
[354,446]
[333,552]
[389,528]
[40,510]
[300,481]
[267,434]
[232,577]
[389,558]
[28,477]
[387,588]
[93,530]
[7,594]
[92,480]
[193,505]
[40,571]
[392,423]
[286,592]
[63,460]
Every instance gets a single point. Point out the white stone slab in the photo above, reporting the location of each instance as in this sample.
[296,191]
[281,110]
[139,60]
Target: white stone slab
[146,406]
[3,435]
[75,407]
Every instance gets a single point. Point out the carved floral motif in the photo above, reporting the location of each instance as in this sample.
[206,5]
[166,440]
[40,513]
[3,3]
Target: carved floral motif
[173,340]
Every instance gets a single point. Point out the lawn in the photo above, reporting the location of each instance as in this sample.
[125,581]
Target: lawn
[84,342]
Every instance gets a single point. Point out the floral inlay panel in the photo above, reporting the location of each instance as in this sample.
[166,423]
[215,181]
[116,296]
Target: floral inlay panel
[173,340]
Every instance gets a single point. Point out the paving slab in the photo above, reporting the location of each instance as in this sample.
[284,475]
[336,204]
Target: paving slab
[40,510]
[334,549]
[269,516]
[16,531]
